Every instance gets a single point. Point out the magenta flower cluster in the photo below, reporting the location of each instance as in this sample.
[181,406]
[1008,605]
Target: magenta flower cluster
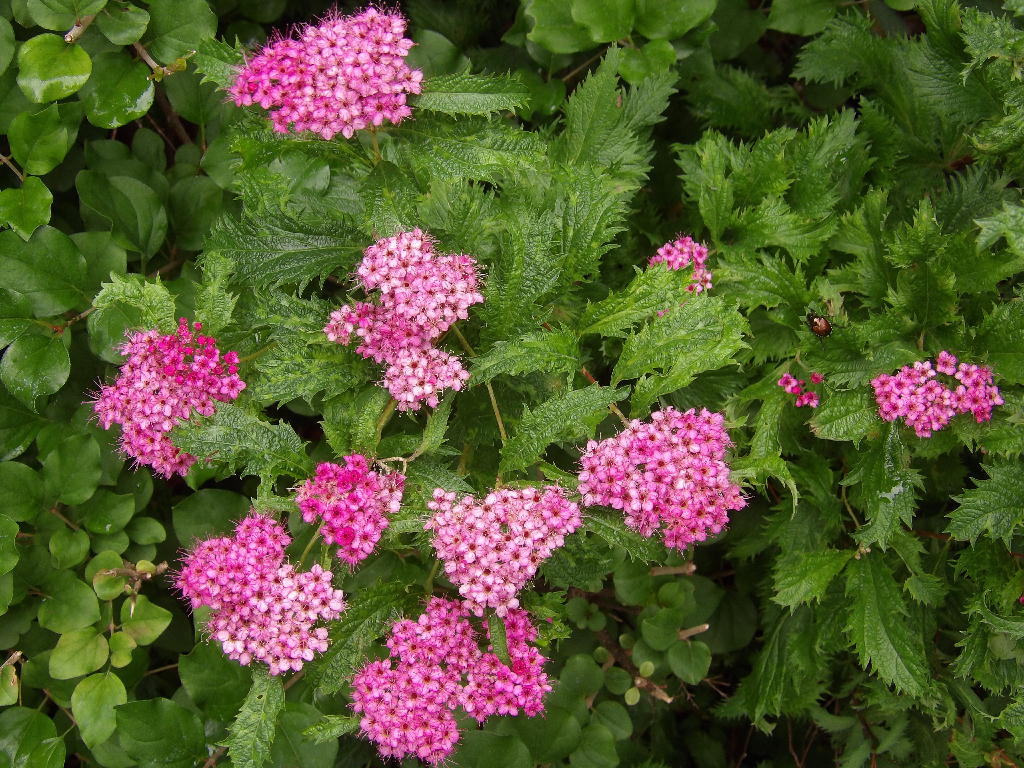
[668,472]
[795,386]
[681,253]
[492,547]
[422,292]
[262,608]
[408,701]
[341,76]
[165,378]
[354,503]
[926,404]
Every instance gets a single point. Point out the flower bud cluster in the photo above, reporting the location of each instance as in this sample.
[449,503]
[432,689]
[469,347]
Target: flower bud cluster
[354,503]
[491,548]
[340,76]
[795,386]
[165,378]
[262,608]
[682,252]
[668,472]
[422,293]
[926,404]
[408,701]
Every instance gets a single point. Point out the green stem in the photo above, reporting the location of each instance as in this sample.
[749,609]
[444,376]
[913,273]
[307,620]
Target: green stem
[258,353]
[428,585]
[309,546]
[385,416]
[376,146]
[490,390]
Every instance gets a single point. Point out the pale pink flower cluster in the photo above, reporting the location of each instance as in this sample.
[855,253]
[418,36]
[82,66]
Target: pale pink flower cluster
[340,76]
[262,608]
[668,472]
[354,503]
[165,378]
[408,701]
[682,252]
[927,404]
[422,293]
[795,386]
[491,548]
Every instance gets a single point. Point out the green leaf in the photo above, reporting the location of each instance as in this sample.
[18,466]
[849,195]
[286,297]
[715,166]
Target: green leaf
[884,487]
[661,629]
[176,27]
[93,703]
[69,604]
[994,506]
[365,621]
[566,416]
[107,512]
[47,271]
[615,532]
[244,443]
[18,426]
[389,195]
[10,687]
[464,94]
[62,14]
[68,548]
[215,683]
[331,727]
[654,58]
[21,491]
[596,750]
[218,62]
[251,735]
[151,299]
[207,513]
[477,749]
[195,204]
[40,140]
[605,20]
[33,366]
[178,742]
[118,92]
[803,577]
[123,23]
[50,69]
[72,469]
[27,207]
[651,291]
[22,731]
[143,621]
[129,207]
[879,628]
[78,653]
[544,351]
[845,415]
[6,44]
[1002,335]
[498,637]
[8,544]
[689,661]
[549,738]
[671,18]
[293,747]
[554,27]
[800,17]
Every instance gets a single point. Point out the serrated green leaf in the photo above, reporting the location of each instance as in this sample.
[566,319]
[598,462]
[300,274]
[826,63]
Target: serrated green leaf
[464,94]
[563,417]
[884,487]
[331,727]
[615,532]
[845,415]
[152,300]
[879,628]
[251,735]
[803,577]
[544,351]
[218,62]
[994,506]
[649,292]
[1002,335]
[498,637]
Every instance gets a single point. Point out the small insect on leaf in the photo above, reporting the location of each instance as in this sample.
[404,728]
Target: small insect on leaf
[819,325]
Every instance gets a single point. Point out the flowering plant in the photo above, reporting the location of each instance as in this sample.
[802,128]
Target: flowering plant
[588,383]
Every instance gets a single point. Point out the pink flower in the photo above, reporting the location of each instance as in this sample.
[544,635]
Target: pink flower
[682,252]
[795,386]
[817,378]
[341,76]
[669,472]
[165,379]
[421,293]
[927,404]
[807,398]
[262,608]
[354,503]
[492,548]
[408,702]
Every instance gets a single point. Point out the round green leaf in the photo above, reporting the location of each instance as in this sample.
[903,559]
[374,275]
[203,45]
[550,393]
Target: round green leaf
[49,753]
[733,624]
[123,24]
[179,740]
[62,14]
[671,18]
[68,547]
[78,653]
[300,749]
[632,697]
[195,203]
[435,54]
[134,211]
[72,470]
[107,586]
[33,366]
[22,730]
[121,647]
[633,583]
[615,718]
[6,44]
[580,677]
[551,736]
[143,621]
[801,17]
[9,685]
[69,604]
[617,680]
[118,92]
[93,704]
[26,208]
[107,512]
[8,544]
[689,661]
[605,20]
[207,512]
[50,69]
[146,530]
[21,491]
[47,270]
[216,684]
[662,629]
[177,26]
[479,748]
[555,29]
[596,749]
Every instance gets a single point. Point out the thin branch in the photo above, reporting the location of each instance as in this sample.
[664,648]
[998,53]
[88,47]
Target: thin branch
[79,29]
[17,171]
[686,634]
[172,117]
[584,65]
[685,569]
[490,390]
[56,512]
[623,660]
[611,406]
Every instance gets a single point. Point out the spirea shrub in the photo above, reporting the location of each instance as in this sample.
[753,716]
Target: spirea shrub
[586,383]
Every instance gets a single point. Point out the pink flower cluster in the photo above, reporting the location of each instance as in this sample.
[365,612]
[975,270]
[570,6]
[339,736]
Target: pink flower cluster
[926,403]
[165,378]
[795,386]
[422,293]
[491,548]
[670,471]
[343,75]
[262,608]
[408,702]
[681,253]
[354,503]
